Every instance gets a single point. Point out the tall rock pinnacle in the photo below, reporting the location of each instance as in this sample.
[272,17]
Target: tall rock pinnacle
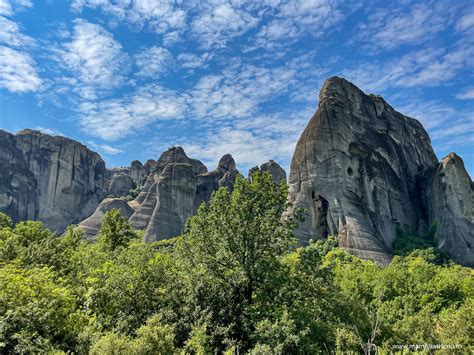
[359,169]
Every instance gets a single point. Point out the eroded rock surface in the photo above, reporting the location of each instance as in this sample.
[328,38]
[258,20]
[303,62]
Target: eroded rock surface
[356,169]
[90,226]
[223,176]
[120,184]
[66,181]
[450,199]
[276,171]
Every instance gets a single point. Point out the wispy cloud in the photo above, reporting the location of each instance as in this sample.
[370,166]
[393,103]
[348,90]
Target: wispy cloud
[94,59]
[251,142]
[217,22]
[467,94]
[115,118]
[50,131]
[105,148]
[159,16]
[153,62]
[18,71]
[426,67]
[398,25]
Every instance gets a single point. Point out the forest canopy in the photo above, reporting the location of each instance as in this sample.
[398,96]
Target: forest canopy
[235,281]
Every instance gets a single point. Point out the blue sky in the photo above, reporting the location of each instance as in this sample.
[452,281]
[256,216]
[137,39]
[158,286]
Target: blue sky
[131,78]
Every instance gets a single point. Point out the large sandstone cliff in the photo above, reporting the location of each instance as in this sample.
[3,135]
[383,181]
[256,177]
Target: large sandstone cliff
[362,171]
[52,179]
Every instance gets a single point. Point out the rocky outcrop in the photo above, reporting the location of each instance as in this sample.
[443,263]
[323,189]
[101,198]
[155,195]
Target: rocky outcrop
[355,169]
[17,183]
[223,176]
[50,178]
[168,195]
[175,194]
[174,190]
[449,195]
[360,169]
[90,226]
[120,184]
[276,171]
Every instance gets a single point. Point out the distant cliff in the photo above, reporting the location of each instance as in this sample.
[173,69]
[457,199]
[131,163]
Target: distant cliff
[52,179]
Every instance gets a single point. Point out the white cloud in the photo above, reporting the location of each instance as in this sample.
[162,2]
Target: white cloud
[95,59]
[159,16]
[290,20]
[467,94]
[105,148]
[252,141]
[9,7]
[466,22]
[17,71]
[427,67]
[116,118]
[11,35]
[153,62]
[193,61]
[238,91]
[396,25]
[218,22]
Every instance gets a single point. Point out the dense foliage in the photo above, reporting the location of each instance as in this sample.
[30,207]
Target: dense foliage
[235,281]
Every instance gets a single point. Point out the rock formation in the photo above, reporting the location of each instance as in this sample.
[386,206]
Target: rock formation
[120,184]
[276,171]
[363,171]
[52,179]
[91,225]
[168,196]
[223,175]
[449,195]
[360,168]
[17,183]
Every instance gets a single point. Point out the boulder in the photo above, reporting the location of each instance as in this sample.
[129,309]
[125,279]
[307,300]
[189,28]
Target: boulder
[90,226]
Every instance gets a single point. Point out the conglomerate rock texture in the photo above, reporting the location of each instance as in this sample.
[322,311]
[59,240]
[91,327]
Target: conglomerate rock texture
[52,179]
[360,168]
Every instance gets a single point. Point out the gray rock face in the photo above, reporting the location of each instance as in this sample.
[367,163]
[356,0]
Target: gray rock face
[90,226]
[223,176]
[168,196]
[357,168]
[276,171]
[120,184]
[66,181]
[175,194]
[450,200]
[174,189]
[17,183]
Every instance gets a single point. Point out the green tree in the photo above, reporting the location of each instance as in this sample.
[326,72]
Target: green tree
[115,230]
[5,221]
[37,312]
[231,247]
